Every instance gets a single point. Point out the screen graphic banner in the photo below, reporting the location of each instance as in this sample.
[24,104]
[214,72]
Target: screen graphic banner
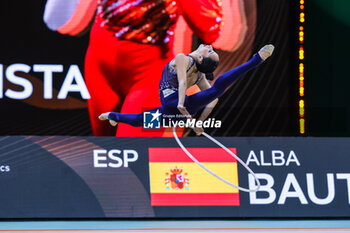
[108,177]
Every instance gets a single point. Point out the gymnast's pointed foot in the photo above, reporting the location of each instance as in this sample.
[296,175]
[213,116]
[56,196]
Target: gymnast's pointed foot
[104,116]
[266,51]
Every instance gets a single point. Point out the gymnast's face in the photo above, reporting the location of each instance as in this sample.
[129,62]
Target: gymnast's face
[207,51]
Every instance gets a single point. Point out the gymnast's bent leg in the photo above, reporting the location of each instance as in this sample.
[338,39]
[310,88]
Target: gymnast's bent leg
[198,101]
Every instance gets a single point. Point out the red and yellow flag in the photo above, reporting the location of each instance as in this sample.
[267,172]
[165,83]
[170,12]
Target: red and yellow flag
[176,180]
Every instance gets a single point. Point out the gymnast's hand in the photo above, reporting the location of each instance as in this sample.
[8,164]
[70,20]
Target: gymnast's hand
[198,130]
[184,111]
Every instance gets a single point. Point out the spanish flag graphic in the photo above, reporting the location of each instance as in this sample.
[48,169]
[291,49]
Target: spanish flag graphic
[176,180]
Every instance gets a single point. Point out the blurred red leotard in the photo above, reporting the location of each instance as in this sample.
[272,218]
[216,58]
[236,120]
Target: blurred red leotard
[130,43]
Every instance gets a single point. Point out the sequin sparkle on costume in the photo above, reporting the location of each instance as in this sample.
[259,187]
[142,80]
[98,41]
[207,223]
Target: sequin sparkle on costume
[145,21]
[153,21]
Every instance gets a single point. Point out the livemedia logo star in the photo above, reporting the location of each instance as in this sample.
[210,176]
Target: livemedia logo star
[151,119]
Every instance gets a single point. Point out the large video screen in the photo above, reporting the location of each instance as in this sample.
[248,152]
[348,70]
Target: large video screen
[65,62]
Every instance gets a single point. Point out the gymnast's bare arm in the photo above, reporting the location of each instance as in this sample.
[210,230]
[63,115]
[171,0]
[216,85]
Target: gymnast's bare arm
[182,63]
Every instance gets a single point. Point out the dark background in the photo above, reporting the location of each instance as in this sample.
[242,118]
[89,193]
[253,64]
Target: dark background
[327,80]
[265,101]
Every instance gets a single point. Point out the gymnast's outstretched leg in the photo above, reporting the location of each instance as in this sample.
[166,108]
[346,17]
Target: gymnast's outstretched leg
[199,100]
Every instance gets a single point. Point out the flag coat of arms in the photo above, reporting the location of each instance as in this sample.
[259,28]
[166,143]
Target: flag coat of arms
[175,180]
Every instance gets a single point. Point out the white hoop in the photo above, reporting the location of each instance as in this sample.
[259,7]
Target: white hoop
[212,173]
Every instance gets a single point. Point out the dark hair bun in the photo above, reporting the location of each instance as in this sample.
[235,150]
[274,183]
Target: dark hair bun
[207,65]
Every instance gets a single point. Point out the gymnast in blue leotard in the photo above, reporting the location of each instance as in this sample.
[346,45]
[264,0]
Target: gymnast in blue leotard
[185,71]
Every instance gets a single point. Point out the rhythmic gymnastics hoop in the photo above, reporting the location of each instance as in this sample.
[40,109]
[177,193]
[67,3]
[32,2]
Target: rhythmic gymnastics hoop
[212,173]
